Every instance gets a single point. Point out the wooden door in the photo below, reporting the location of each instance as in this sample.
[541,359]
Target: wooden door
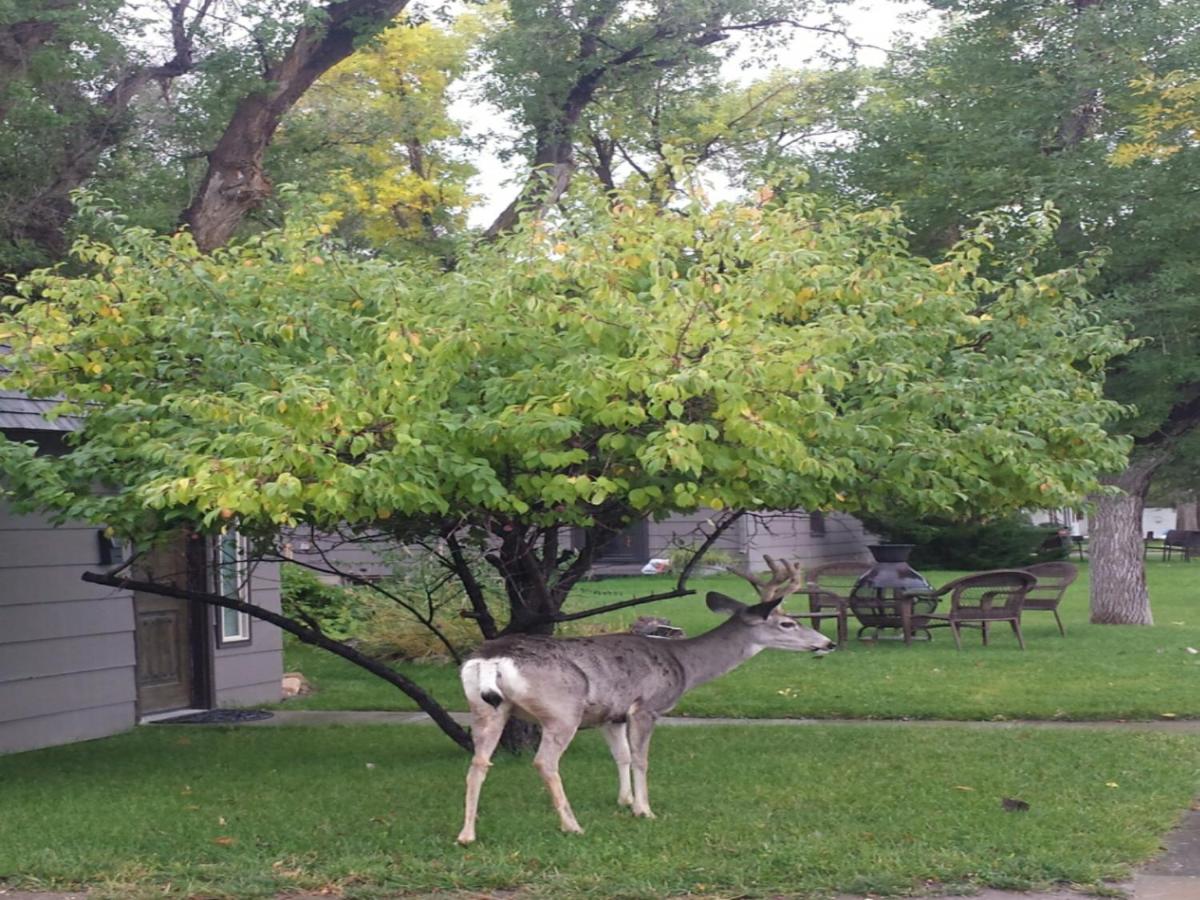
[169,635]
[164,653]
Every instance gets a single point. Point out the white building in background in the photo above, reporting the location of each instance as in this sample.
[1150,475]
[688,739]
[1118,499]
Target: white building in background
[1156,520]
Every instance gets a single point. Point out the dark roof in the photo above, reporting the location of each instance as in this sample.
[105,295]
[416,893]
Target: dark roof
[18,411]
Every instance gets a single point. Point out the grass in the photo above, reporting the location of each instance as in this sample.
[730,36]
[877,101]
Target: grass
[251,812]
[1095,672]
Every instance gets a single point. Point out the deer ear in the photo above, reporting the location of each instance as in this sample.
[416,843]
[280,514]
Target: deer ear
[763,609]
[719,603]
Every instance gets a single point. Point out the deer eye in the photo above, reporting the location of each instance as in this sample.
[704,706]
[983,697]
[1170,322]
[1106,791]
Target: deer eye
[787,623]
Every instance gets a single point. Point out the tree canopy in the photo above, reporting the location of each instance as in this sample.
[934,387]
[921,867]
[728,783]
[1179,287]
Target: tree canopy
[587,372]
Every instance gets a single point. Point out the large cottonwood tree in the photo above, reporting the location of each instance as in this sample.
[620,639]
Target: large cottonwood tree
[85,86]
[1015,104]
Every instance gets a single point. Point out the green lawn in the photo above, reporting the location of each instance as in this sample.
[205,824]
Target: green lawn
[1095,672]
[229,812]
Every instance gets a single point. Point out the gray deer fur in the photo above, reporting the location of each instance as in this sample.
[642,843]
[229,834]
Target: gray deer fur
[621,683]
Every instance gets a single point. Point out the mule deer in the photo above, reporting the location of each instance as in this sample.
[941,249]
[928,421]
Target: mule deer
[619,682]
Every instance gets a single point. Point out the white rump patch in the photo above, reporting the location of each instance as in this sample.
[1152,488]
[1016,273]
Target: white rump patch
[498,675]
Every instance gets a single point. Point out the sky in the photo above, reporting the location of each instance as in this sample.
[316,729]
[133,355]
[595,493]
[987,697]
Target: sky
[873,24]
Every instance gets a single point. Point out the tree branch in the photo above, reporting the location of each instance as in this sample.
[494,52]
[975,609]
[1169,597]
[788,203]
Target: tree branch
[308,635]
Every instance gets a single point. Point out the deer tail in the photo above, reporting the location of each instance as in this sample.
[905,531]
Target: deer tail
[482,678]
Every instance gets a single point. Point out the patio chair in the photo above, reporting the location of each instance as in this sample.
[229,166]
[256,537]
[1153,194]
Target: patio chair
[1053,579]
[983,598]
[828,588]
[1179,541]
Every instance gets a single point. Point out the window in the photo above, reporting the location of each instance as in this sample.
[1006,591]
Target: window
[231,578]
[816,524]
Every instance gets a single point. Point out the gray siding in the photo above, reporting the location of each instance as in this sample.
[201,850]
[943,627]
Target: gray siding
[791,536]
[787,535]
[688,530]
[66,647]
[252,672]
[358,557]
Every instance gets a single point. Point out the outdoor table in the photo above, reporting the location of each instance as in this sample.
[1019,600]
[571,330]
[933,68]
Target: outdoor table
[900,611]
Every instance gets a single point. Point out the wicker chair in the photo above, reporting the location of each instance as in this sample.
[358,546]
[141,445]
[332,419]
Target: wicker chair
[1053,579]
[1186,543]
[983,598]
[828,588]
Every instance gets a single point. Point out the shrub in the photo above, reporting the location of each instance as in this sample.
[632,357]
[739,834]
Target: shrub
[391,632]
[425,615]
[1009,542]
[304,597]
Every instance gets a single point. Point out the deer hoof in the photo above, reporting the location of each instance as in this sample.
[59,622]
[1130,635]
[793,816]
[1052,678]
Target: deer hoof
[465,838]
[644,813]
[572,829]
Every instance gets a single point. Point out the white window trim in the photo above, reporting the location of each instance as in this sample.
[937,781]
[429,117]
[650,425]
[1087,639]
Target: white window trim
[240,589]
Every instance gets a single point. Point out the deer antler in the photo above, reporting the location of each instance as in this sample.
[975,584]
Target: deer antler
[786,578]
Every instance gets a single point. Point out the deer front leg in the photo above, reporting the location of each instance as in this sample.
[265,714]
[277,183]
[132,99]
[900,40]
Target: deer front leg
[641,727]
[487,725]
[617,736]
[556,735]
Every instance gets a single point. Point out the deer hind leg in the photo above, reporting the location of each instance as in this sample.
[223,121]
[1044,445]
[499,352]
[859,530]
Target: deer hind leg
[617,736]
[556,736]
[641,727]
[487,724]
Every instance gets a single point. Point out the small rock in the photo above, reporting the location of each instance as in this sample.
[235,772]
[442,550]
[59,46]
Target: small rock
[295,685]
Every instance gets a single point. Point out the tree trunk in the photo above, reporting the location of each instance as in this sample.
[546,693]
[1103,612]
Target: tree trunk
[235,182]
[1187,512]
[553,166]
[1118,573]
[104,122]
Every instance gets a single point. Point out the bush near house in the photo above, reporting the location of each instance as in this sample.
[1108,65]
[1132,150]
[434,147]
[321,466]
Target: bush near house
[307,598]
[972,546]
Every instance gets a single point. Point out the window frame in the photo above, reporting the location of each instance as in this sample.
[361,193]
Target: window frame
[236,589]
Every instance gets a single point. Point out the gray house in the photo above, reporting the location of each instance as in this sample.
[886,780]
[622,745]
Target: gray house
[80,661]
[808,539]
[805,538]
